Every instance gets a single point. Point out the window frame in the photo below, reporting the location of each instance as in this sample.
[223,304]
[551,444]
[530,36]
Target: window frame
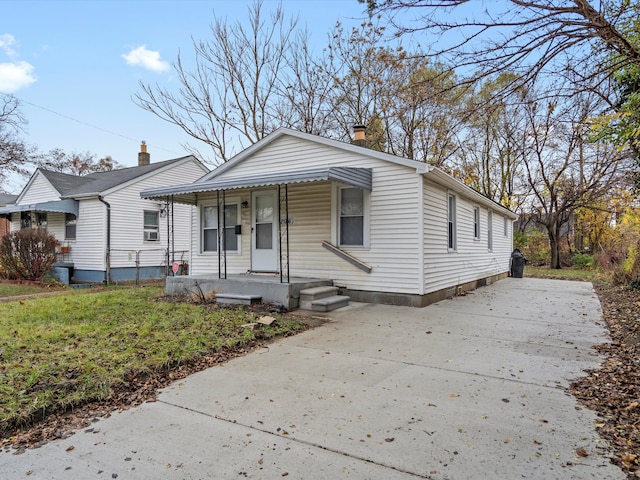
[234,201]
[490,231]
[452,224]
[148,228]
[26,221]
[68,223]
[476,222]
[506,227]
[337,217]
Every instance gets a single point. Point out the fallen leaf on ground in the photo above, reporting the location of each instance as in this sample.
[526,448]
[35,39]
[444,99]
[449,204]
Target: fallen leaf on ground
[582,452]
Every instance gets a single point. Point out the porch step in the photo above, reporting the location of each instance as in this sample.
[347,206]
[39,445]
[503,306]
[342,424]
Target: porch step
[238,298]
[308,295]
[328,304]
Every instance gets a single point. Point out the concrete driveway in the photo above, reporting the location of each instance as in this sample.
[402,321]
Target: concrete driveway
[471,387]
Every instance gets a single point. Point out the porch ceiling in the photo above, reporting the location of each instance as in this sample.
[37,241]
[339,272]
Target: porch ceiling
[356,177]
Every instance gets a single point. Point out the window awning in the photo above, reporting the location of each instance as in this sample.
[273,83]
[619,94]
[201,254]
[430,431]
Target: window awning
[356,177]
[62,206]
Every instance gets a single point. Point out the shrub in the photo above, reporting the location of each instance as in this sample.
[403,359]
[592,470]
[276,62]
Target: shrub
[583,261]
[537,248]
[27,254]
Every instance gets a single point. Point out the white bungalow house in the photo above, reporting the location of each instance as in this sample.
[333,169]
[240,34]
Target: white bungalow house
[106,232]
[299,209]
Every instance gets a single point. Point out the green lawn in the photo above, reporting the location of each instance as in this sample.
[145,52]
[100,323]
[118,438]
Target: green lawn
[562,274]
[62,351]
[15,289]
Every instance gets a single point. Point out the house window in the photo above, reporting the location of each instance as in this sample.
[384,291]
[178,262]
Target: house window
[352,217]
[33,219]
[41,219]
[476,223]
[506,227]
[69,226]
[151,226]
[490,231]
[25,220]
[451,230]
[210,228]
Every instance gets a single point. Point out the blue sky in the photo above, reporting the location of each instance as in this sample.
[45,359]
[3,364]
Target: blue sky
[75,65]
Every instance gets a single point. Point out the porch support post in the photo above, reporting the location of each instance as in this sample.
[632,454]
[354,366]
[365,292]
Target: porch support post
[280,228]
[173,235]
[168,258]
[224,228]
[219,243]
[286,202]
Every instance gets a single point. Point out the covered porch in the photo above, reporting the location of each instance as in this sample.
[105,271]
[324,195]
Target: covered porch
[257,210]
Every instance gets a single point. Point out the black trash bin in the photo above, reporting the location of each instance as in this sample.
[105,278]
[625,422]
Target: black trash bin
[517,263]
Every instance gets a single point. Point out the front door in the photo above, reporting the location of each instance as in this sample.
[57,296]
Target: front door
[264,231]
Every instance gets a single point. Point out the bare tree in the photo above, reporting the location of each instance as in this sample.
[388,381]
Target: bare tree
[490,155]
[528,37]
[230,97]
[15,154]
[563,171]
[422,110]
[306,88]
[79,164]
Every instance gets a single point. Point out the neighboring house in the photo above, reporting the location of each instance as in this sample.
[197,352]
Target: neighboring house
[106,232]
[383,228]
[5,224]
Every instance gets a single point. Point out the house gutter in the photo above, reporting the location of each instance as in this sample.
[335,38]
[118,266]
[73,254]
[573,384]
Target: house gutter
[108,253]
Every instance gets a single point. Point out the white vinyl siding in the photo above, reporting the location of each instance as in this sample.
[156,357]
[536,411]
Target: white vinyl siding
[407,214]
[39,190]
[393,219]
[127,229]
[88,251]
[472,261]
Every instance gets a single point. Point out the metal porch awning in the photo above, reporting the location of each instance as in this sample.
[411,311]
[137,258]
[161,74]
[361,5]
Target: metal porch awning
[61,206]
[187,193]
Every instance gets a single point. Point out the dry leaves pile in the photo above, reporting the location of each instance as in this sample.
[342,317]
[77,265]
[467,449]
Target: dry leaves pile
[613,391]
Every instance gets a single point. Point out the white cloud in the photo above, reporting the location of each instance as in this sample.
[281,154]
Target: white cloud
[6,40]
[148,59]
[14,76]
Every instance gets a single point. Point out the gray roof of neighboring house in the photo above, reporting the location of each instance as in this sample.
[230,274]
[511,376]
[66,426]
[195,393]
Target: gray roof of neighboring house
[72,185]
[6,198]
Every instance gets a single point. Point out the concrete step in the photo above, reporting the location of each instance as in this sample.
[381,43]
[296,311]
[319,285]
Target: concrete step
[308,295]
[328,304]
[238,298]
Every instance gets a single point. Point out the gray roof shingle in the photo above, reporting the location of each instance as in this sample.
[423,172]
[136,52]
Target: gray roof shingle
[6,198]
[99,182]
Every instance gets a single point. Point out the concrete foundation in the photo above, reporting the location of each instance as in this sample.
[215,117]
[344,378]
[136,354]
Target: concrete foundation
[288,294]
[266,286]
[418,301]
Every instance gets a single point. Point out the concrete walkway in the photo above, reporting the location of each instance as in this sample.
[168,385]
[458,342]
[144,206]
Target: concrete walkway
[471,387]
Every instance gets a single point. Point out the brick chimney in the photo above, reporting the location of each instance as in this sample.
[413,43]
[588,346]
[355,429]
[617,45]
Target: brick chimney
[359,137]
[144,158]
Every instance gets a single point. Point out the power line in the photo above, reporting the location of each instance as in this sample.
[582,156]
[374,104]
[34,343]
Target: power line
[81,122]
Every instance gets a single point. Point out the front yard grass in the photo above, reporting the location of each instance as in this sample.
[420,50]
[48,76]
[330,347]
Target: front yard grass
[15,289]
[64,351]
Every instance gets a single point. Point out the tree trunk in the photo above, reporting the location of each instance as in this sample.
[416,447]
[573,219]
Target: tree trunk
[554,245]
